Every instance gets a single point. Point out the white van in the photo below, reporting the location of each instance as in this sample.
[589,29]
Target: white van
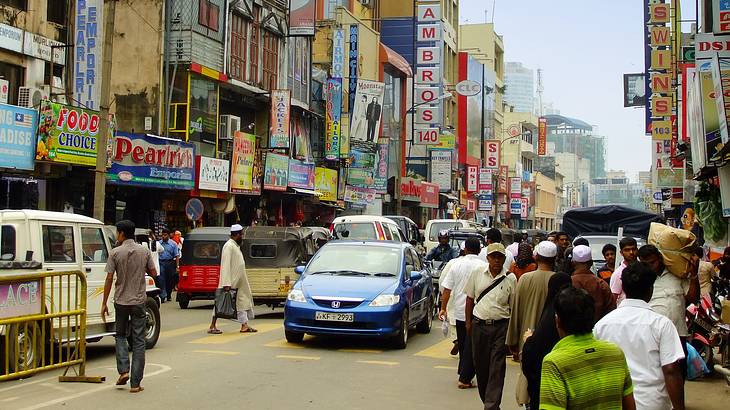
[64,242]
[434,226]
[366,228]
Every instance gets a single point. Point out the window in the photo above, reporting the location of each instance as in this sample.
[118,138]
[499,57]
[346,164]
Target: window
[417,259]
[207,250]
[57,72]
[18,4]
[56,12]
[253,72]
[7,252]
[208,14]
[239,46]
[410,263]
[388,235]
[58,244]
[271,60]
[263,251]
[92,245]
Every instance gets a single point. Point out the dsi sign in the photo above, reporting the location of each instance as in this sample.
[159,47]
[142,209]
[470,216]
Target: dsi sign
[17,137]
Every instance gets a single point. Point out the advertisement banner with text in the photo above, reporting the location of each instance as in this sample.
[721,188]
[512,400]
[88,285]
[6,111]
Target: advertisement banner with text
[280,118]
[67,134]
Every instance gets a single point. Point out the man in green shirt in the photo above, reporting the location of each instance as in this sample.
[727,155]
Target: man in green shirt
[582,372]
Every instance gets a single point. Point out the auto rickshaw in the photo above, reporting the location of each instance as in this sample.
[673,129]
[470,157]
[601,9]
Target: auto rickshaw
[270,253]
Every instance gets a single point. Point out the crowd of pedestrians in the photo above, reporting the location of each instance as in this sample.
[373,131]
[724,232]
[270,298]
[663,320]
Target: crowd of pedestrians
[586,337]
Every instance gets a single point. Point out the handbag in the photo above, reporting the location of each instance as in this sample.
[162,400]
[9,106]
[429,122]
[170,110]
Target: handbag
[225,304]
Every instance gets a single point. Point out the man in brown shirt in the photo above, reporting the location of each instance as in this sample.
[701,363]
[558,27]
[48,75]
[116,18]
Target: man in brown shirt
[130,261]
[583,278]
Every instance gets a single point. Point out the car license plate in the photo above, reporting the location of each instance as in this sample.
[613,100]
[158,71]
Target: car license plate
[285,287]
[335,317]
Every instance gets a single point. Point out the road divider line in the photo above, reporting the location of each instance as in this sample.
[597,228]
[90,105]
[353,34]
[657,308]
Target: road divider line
[201,328]
[359,350]
[378,362]
[217,352]
[282,343]
[234,335]
[438,351]
[9,399]
[446,367]
[55,386]
[291,357]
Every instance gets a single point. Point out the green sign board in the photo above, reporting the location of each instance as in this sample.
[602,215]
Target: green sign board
[688,54]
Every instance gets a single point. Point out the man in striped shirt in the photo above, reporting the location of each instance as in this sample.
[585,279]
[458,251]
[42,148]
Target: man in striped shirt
[582,372]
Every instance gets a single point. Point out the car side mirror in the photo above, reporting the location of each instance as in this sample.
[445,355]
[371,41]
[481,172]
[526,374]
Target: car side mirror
[416,276]
[299,269]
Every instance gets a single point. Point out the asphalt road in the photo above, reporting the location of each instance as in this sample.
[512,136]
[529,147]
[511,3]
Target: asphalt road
[191,369]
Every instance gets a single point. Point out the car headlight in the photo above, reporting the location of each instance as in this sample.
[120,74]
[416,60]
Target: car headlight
[385,300]
[296,295]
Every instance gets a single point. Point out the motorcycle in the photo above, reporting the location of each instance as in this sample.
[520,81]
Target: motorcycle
[708,334]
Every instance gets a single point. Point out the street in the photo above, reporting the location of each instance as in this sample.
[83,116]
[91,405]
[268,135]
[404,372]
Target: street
[191,369]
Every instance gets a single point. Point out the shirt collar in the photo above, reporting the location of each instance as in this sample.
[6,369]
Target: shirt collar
[472,256]
[128,242]
[574,339]
[637,303]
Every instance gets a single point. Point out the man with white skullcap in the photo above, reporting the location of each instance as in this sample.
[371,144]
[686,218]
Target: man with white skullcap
[583,278]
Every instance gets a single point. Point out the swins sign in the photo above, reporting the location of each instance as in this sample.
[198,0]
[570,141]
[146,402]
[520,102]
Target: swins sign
[151,161]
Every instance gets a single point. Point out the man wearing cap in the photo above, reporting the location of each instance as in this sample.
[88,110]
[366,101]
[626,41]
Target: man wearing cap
[444,252]
[233,276]
[493,235]
[527,304]
[583,278]
[488,297]
[456,274]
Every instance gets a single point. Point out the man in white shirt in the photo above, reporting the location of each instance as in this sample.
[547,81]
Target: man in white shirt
[455,279]
[649,340]
[494,235]
[488,307]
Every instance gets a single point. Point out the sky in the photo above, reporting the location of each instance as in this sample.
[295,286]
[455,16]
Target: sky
[583,48]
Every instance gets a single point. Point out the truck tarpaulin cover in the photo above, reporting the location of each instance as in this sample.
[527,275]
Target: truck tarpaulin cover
[607,220]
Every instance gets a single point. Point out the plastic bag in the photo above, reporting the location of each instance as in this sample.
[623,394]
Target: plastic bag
[445,327]
[225,304]
[696,367]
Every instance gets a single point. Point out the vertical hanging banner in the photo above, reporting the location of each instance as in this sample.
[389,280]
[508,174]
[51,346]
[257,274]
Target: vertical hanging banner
[242,163]
[427,118]
[352,63]
[721,86]
[441,169]
[542,136]
[657,62]
[492,148]
[472,175]
[338,53]
[89,38]
[381,170]
[334,112]
[301,17]
[280,122]
[515,187]
[365,126]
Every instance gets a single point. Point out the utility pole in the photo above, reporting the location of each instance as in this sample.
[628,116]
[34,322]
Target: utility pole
[103,136]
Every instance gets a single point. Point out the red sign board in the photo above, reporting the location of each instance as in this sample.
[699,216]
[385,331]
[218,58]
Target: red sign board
[503,171]
[471,205]
[492,149]
[429,195]
[542,136]
[410,190]
[472,174]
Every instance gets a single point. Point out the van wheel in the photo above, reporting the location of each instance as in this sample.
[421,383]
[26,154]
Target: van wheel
[183,300]
[152,324]
[293,337]
[424,326]
[24,353]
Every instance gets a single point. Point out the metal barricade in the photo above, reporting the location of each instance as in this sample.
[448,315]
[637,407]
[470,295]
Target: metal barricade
[43,325]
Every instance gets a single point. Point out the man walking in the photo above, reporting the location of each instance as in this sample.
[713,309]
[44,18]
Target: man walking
[493,235]
[169,260]
[628,248]
[456,277]
[233,276]
[488,297]
[373,116]
[129,261]
[583,373]
[583,278]
[649,341]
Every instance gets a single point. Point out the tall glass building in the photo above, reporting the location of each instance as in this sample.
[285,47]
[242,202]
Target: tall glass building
[520,82]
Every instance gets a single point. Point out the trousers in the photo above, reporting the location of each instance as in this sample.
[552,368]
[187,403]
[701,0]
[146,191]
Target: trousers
[168,271]
[466,360]
[130,322]
[490,354]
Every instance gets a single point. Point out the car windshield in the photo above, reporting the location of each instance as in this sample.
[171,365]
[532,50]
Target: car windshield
[436,227]
[355,231]
[351,259]
[598,242]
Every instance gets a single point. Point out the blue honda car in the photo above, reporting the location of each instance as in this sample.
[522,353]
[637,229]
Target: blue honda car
[379,289]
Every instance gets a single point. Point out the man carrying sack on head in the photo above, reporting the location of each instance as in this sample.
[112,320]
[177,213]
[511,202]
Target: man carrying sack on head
[233,277]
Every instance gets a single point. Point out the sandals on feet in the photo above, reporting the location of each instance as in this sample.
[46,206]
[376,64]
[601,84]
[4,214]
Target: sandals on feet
[136,389]
[463,386]
[249,330]
[214,331]
[123,379]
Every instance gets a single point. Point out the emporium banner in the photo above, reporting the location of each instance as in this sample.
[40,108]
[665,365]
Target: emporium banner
[151,161]
[67,134]
[301,175]
[325,181]
[276,173]
[280,112]
[333,125]
[89,36]
[244,173]
[17,137]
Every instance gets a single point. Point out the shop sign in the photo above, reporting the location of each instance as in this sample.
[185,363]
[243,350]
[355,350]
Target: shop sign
[721,86]
[280,121]
[441,169]
[301,17]
[11,38]
[213,175]
[471,205]
[38,46]
[360,177]
[152,161]
[657,60]
[523,208]
[485,204]
[325,181]
[410,189]
[276,173]
[359,196]
[353,59]
[426,136]
[708,45]
[542,136]
[67,134]
[721,16]
[242,165]
[502,179]
[515,187]
[301,174]
[515,206]
[366,116]
[333,125]
[472,175]
[338,53]
[493,148]
[20,299]
[381,170]
[89,38]
[17,137]
[485,180]
[446,142]
[429,195]
[362,160]
[4,90]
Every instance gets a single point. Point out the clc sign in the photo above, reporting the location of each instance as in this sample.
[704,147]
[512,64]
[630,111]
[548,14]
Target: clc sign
[468,88]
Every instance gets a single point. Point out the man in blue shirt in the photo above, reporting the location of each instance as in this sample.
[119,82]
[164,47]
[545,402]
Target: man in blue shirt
[444,252]
[169,260]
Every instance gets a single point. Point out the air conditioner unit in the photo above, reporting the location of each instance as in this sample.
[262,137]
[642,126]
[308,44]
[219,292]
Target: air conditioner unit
[229,125]
[31,97]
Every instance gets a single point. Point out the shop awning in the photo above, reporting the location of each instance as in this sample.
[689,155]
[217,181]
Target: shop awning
[396,60]
[449,197]
[307,192]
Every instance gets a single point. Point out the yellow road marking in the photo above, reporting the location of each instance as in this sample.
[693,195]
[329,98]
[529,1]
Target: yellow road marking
[282,343]
[378,362]
[438,351]
[217,352]
[446,367]
[285,356]
[9,399]
[234,335]
[202,328]
[360,350]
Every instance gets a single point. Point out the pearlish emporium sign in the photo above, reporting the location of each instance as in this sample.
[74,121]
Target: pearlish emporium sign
[67,134]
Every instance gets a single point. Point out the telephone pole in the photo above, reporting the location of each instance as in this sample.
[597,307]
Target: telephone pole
[103,136]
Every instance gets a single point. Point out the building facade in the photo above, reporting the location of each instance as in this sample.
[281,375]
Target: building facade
[520,86]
